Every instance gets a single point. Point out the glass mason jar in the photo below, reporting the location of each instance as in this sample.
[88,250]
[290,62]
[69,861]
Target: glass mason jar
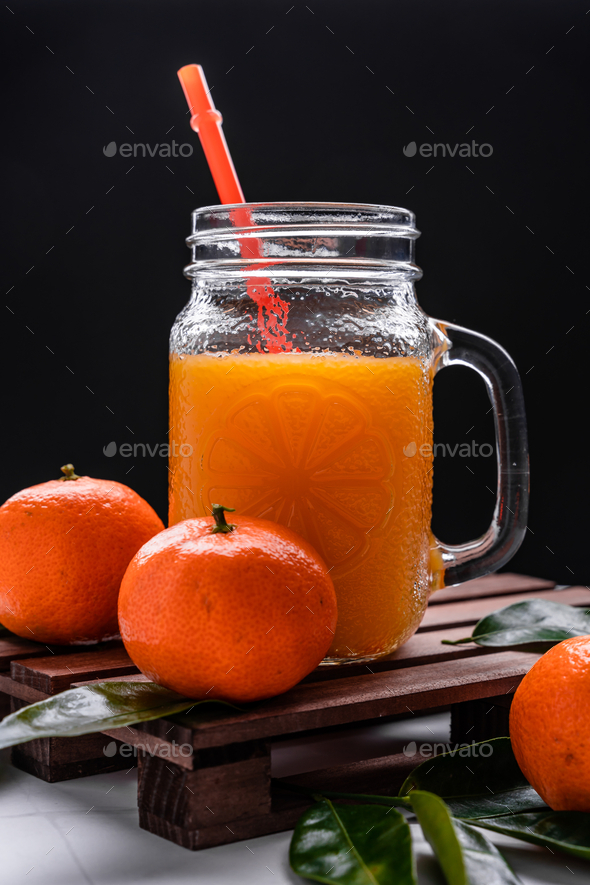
[301,376]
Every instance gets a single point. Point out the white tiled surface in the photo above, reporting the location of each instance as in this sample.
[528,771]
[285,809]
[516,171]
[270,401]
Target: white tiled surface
[85,832]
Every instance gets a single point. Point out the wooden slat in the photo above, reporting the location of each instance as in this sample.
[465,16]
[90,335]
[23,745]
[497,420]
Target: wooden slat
[16,690]
[131,677]
[53,674]
[456,614]
[218,834]
[13,647]
[222,792]
[491,585]
[358,698]
[154,746]
[381,775]
[422,648]
[22,758]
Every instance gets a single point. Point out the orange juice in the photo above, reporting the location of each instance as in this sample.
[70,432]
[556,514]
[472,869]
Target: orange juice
[338,447]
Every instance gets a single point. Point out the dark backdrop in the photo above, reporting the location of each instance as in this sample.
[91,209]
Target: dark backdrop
[318,102]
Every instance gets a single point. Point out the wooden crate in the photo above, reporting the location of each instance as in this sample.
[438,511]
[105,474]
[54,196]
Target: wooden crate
[222,790]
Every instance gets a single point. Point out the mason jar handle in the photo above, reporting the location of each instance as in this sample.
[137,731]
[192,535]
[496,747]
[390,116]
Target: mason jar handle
[455,563]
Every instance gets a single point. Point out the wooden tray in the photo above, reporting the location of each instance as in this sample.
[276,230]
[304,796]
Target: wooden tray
[221,790]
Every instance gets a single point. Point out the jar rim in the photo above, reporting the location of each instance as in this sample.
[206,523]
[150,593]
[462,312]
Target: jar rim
[352,240]
[369,217]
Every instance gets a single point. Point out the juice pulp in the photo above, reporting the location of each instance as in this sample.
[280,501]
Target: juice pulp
[337,447]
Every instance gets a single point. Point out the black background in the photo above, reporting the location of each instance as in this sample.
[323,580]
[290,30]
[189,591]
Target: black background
[318,109]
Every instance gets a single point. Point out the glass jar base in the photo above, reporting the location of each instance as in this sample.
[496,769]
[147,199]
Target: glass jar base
[361,659]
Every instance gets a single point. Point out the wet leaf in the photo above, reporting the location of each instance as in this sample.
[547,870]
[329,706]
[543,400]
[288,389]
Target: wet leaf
[353,845]
[531,622]
[465,855]
[93,708]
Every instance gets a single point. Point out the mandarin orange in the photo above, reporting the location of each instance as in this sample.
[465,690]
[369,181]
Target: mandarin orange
[239,612]
[550,725]
[64,548]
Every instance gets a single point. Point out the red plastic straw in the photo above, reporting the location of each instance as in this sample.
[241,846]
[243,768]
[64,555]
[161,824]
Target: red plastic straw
[206,120]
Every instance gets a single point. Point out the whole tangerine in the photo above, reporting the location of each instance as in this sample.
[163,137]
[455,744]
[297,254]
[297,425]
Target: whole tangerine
[239,613]
[64,548]
[549,725]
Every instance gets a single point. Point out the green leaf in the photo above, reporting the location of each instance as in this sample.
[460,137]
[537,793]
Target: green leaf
[92,708]
[465,855]
[468,770]
[567,831]
[525,623]
[353,845]
[476,784]
[500,803]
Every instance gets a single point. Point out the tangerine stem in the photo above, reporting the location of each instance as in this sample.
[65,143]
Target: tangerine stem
[219,511]
[68,469]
